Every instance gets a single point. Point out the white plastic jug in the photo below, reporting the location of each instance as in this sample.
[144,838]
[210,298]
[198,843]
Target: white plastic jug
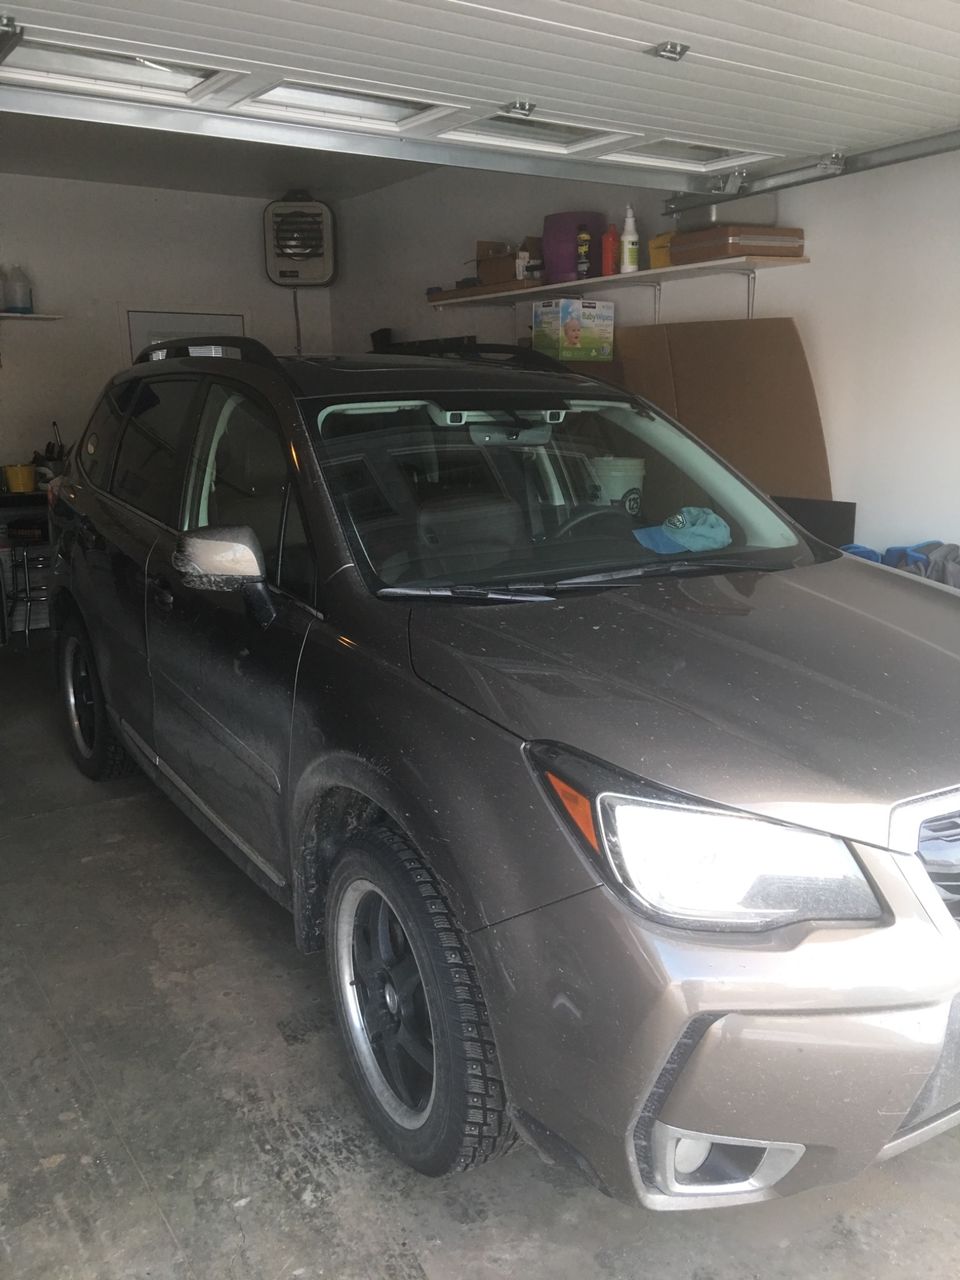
[18,292]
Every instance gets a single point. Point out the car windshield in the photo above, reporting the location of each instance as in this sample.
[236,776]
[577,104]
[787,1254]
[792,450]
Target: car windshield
[517,489]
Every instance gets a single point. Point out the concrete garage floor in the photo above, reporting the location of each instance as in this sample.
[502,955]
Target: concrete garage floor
[173,1102]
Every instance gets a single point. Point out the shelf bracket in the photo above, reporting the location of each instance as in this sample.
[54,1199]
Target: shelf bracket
[657,288]
[751,277]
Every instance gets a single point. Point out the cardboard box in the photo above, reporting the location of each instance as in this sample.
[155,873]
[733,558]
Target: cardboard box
[659,249]
[573,329]
[742,386]
[497,261]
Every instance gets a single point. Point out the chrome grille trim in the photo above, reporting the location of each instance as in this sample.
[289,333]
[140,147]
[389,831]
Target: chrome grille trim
[907,819]
[939,849]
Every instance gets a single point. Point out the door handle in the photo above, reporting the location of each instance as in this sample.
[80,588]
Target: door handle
[160,594]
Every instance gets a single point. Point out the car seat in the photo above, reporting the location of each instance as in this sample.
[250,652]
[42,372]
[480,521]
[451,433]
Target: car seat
[250,474]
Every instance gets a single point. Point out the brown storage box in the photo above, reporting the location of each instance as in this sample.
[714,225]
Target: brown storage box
[735,242]
[494,264]
[497,265]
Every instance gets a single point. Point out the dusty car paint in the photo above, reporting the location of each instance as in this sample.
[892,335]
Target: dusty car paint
[812,696]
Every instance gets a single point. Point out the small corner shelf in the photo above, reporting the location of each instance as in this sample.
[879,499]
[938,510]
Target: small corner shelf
[497,296]
[34,315]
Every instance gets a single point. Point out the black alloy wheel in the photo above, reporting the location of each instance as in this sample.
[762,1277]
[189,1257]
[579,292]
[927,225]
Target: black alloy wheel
[95,747]
[388,1006]
[420,1047]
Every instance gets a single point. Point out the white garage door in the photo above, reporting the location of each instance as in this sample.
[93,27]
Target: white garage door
[688,96]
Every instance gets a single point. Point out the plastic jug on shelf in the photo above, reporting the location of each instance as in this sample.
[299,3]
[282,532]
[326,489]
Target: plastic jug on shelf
[629,244]
[18,292]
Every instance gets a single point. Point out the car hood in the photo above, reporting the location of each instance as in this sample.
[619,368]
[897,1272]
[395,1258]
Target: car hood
[821,695]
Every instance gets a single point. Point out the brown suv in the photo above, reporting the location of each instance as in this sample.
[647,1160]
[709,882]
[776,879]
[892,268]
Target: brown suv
[628,814]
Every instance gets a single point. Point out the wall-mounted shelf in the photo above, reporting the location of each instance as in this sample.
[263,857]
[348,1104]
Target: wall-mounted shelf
[15,315]
[498,296]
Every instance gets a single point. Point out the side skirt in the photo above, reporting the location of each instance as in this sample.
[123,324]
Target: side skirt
[189,803]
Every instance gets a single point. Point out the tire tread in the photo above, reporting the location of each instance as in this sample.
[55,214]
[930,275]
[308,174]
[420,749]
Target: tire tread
[487,1131]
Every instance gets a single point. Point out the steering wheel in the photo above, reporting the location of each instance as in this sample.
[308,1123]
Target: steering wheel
[592,513]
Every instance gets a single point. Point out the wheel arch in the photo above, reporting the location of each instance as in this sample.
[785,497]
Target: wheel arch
[339,797]
[63,603]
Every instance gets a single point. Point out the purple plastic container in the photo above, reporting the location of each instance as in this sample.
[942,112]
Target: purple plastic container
[560,244]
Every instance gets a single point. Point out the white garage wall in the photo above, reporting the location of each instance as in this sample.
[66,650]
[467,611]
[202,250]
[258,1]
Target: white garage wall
[878,309]
[397,241]
[93,251]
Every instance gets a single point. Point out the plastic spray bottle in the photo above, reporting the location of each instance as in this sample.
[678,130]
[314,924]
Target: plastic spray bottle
[584,239]
[629,243]
[611,251]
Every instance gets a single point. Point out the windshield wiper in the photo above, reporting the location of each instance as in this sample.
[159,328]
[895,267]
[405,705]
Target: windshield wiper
[518,594]
[658,569]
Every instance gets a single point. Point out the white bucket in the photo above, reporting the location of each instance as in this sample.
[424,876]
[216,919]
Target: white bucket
[617,476]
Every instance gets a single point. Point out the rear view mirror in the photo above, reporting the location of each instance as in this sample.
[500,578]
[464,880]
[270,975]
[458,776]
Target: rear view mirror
[226,558]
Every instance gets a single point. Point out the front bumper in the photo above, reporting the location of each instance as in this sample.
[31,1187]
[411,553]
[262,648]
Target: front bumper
[836,1045]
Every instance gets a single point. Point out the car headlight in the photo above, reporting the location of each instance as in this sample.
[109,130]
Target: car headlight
[700,867]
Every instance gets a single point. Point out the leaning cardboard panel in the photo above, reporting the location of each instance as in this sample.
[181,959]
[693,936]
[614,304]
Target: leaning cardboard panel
[743,386]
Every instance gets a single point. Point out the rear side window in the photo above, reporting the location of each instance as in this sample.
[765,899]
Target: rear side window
[100,437]
[147,470]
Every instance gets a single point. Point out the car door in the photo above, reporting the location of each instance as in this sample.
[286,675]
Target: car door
[224,683]
[125,492]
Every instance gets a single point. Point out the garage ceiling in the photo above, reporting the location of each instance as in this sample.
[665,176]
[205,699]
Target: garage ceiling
[760,87]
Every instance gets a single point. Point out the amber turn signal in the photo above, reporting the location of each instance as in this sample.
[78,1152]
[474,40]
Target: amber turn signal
[579,809]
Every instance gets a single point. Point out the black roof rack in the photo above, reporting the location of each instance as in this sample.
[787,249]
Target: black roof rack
[467,348]
[248,349]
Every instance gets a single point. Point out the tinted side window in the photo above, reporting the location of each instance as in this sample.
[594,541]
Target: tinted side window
[146,473]
[298,570]
[240,471]
[100,437]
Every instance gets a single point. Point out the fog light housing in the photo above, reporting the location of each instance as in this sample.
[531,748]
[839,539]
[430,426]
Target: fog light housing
[687,1163]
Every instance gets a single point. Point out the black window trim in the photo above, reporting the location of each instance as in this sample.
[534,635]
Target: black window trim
[113,384]
[292,493]
[184,446]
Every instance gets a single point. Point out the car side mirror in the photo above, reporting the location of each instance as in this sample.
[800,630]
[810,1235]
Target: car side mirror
[226,558]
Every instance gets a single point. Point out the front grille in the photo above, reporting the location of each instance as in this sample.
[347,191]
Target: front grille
[940,851]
